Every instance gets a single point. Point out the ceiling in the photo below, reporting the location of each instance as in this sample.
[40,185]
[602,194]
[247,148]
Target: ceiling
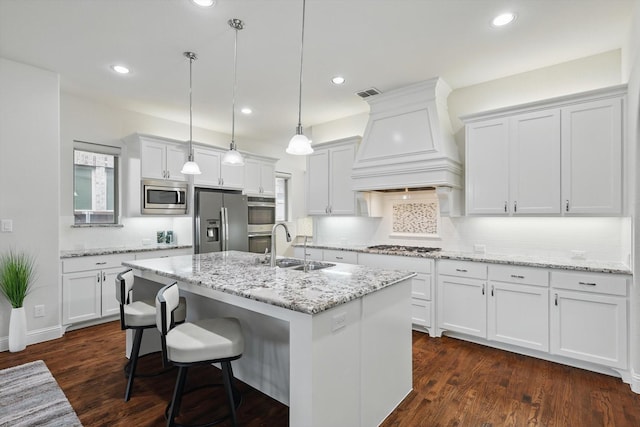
[384,44]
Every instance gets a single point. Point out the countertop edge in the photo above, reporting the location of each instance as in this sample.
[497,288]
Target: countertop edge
[66,254]
[595,266]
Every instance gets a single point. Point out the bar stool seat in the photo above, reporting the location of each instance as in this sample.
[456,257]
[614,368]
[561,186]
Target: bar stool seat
[206,341]
[138,316]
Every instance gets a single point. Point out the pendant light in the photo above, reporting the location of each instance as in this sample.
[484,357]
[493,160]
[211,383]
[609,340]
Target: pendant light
[300,144]
[233,157]
[190,167]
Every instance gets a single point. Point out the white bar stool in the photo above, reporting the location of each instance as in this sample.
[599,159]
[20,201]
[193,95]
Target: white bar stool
[138,315]
[203,341]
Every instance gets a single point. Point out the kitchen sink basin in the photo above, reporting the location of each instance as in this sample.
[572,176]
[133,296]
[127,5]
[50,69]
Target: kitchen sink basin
[311,266]
[288,262]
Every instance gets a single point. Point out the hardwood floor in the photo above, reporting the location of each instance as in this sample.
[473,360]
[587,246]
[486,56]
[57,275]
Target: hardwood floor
[456,383]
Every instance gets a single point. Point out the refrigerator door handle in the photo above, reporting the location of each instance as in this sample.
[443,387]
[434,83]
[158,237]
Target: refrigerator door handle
[225,228]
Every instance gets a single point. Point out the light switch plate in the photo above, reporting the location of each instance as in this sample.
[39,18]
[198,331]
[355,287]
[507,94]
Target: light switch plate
[6,225]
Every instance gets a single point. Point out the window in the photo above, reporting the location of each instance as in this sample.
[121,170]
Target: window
[282,196]
[95,184]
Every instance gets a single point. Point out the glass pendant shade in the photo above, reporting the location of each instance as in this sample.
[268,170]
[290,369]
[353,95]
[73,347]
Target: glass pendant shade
[190,168]
[233,157]
[299,145]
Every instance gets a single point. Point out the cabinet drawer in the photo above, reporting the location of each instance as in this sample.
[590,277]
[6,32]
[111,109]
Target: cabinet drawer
[525,275]
[391,262]
[590,282]
[421,312]
[462,269]
[95,262]
[421,286]
[340,256]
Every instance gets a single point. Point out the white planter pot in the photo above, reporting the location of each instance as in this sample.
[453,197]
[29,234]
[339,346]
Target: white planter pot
[17,330]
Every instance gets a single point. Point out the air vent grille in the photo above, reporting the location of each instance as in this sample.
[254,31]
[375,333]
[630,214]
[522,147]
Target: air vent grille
[368,92]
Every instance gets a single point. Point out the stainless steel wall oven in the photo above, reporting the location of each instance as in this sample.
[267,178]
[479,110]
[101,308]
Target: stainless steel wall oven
[262,217]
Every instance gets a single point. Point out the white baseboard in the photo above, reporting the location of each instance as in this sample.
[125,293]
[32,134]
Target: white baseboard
[37,336]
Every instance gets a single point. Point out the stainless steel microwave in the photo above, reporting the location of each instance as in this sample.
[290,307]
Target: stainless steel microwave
[163,197]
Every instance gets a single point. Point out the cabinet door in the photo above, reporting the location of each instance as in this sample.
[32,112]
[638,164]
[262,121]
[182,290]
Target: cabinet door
[589,327]
[534,153]
[268,179]
[252,176]
[152,160]
[176,157]
[318,182]
[110,305]
[81,296]
[232,176]
[342,199]
[592,157]
[462,305]
[488,167]
[519,314]
[209,162]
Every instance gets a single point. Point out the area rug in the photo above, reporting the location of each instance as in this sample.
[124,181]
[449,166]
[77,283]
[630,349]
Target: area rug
[30,396]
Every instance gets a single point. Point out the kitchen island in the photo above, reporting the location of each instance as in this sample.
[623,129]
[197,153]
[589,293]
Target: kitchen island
[333,344]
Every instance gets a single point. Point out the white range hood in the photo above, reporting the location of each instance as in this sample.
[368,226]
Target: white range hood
[408,142]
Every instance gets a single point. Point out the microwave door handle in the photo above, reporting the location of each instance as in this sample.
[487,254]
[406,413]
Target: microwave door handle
[178,192]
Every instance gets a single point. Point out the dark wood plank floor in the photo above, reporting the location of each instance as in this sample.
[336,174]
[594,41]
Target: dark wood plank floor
[456,383]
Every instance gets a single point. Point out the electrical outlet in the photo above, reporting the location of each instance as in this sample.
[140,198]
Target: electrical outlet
[575,254]
[6,225]
[339,321]
[480,249]
[38,311]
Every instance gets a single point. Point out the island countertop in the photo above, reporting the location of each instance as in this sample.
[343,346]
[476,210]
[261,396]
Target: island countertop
[240,273]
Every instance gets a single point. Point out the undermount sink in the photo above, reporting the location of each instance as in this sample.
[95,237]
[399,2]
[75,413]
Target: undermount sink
[288,262]
[311,266]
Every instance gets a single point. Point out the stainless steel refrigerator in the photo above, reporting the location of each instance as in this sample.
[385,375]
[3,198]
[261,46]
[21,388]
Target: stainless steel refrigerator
[220,221]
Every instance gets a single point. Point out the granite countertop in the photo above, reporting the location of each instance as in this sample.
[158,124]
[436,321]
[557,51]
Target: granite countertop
[593,266]
[240,273]
[118,250]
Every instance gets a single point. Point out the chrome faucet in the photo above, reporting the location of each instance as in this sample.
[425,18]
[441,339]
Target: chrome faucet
[273,241]
[305,267]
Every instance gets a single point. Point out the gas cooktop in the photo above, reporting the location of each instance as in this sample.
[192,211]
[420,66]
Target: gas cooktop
[400,248]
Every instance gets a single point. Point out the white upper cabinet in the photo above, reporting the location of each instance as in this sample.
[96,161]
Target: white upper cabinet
[592,157]
[329,189]
[557,157]
[259,177]
[534,157]
[161,160]
[214,173]
[487,167]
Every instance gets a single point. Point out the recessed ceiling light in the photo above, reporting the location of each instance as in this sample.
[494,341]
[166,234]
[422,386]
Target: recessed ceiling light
[246,110]
[204,3]
[503,19]
[120,69]
[337,80]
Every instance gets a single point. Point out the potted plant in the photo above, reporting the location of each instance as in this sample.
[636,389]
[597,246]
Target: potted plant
[16,275]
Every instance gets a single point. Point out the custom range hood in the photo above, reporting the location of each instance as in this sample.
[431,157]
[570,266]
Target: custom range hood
[408,142]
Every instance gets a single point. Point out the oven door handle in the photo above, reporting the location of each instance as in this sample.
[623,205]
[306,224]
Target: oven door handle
[259,235]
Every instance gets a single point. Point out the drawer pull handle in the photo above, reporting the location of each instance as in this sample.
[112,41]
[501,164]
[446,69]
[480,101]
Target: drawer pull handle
[587,283]
[516,276]
[461,270]
[492,288]
[556,300]
[339,257]
[101,263]
[483,289]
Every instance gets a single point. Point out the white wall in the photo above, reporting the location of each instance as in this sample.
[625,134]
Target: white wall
[602,238]
[29,144]
[85,120]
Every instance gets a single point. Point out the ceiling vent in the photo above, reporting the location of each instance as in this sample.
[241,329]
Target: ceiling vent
[368,92]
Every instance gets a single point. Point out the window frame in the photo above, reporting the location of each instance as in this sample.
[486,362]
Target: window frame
[104,150]
[287,195]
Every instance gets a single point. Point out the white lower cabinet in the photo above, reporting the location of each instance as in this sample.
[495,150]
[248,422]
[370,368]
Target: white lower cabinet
[518,306]
[88,287]
[422,314]
[589,318]
[462,297]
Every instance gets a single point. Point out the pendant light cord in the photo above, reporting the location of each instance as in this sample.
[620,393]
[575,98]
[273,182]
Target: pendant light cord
[299,130]
[192,57]
[235,84]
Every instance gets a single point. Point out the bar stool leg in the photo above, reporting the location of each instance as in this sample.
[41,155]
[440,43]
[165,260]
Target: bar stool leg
[227,377]
[134,363]
[177,396]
